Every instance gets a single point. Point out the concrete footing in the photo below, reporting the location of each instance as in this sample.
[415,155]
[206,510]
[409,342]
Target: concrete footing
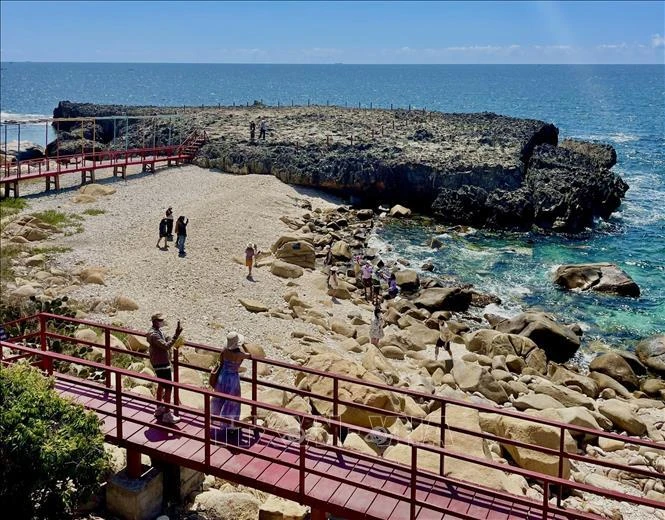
[136,498]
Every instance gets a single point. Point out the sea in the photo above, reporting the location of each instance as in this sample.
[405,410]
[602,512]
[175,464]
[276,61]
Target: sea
[622,105]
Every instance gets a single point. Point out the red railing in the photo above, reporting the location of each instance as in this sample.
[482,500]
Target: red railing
[411,472]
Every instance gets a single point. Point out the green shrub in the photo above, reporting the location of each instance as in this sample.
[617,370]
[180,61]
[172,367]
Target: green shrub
[11,206]
[51,450]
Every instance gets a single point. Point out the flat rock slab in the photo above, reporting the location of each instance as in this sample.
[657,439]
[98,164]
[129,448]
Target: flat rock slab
[605,278]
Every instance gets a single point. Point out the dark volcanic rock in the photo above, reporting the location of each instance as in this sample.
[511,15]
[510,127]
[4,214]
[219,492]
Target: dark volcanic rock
[483,169]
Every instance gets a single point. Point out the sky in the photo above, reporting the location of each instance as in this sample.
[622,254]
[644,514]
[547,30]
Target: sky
[334,32]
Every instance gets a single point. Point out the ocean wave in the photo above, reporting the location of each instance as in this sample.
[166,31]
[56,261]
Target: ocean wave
[617,137]
[23,118]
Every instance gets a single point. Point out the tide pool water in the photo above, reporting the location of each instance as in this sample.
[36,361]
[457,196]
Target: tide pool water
[620,105]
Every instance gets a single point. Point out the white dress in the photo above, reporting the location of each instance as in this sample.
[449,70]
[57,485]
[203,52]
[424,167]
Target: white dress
[376,328]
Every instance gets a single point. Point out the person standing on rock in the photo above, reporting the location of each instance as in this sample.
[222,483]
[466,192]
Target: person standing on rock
[160,347]
[393,290]
[329,256]
[228,382]
[250,255]
[181,233]
[262,129]
[333,281]
[366,272]
[252,131]
[376,328]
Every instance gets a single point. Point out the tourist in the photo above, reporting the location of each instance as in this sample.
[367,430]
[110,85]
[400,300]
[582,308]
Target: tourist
[181,233]
[366,272]
[250,254]
[160,347]
[393,290]
[228,382]
[163,233]
[252,131]
[376,328]
[169,224]
[262,129]
[333,281]
[443,341]
[329,256]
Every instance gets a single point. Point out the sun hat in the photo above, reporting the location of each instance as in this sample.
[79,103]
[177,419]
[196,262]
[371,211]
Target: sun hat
[334,269]
[234,341]
[157,317]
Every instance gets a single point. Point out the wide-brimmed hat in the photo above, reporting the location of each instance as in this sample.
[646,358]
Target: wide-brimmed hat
[334,269]
[234,341]
[157,317]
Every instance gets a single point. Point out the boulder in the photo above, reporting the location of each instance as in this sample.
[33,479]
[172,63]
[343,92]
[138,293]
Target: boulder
[286,270]
[651,352]
[353,441]
[567,377]
[252,305]
[493,343]
[226,506]
[34,260]
[331,362]
[558,341]
[341,249]
[137,343]
[622,416]
[474,378]
[563,394]
[605,278]
[279,509]
[444,299]
[124,303]
[536,402]
[536,435]
[297,252]
[604,381]
[408,280]
[399,211]
[24,291]
[617,368]
[463,418]
[97,190]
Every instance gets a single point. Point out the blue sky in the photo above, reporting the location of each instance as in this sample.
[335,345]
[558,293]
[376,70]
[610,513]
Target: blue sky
[330,32]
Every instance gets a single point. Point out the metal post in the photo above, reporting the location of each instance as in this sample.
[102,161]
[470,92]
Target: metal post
[546,498]
[176,378]
[442,438]
[302,459]
[414,464]
[560,472]
[18,161]
[47,363]
[254,391]
[206,433]
[118,404]
[335,410]
[126,136]
[107,355]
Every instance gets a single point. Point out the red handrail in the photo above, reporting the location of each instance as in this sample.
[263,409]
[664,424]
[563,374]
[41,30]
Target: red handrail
[335,424]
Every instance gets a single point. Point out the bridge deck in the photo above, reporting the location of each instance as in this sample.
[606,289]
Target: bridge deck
[140,430]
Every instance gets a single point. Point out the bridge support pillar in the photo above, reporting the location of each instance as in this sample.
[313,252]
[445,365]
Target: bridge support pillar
[52,181]
[120,168]
[135,498]
[87,176]
[11,188]
[179,481]
[318,514]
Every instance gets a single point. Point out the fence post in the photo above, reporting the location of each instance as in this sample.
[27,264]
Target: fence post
[206,425]
[414,465]
[118,404]
[335,409]
[107,355]
[546,498]
[254,390]
[176,379]
[560,472]
[47,363]
[302,459]
[442,438]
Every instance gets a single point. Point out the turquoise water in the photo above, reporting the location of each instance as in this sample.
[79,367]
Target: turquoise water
[620,105]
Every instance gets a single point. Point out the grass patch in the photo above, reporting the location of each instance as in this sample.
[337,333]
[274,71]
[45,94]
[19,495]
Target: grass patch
[52,217]
[11,206]
[7,254]
[94,211]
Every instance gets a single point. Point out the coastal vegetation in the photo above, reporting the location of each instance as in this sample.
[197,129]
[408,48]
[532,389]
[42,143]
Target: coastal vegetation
[51,450]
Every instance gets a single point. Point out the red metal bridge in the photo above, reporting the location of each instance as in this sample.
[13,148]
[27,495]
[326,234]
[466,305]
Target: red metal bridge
[326,476]
[87,162]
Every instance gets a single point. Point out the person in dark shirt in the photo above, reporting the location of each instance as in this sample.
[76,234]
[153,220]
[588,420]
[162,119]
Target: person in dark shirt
[181,234]
[163,232]
[169,227]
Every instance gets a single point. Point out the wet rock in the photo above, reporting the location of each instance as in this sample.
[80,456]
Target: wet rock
[602,277]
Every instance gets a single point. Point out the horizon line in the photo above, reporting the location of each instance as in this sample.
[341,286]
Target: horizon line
[326,64]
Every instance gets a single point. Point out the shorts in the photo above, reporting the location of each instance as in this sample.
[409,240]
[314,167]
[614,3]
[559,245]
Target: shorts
[367,282]
[249,262]
[163,373]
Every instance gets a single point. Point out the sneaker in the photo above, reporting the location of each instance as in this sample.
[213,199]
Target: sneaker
[160,411]
[169,418]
